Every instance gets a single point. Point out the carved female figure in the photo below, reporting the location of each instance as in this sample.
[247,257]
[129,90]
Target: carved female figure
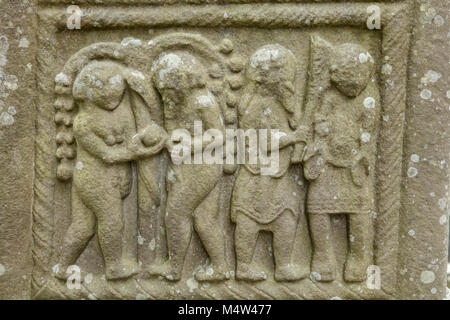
[268,202]
[192,200]
[340,162]
[103,127]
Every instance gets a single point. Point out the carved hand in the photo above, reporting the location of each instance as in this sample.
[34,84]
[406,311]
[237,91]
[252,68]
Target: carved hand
[314,166]
[143,145]
[301,134]
[152,135]
[117,156]
[321,128]
[360,171]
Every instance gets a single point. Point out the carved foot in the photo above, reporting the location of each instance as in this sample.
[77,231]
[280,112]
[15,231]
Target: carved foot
[122,270]
[173,275]
[355,269]
[165,270]
[61,273]
[323,271]
[212,273]
[156,270]
[246,272]
[290,272]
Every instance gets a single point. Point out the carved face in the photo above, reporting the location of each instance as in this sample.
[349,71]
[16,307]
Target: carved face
[272,66]
[176,74]
[101,83]
[351,69]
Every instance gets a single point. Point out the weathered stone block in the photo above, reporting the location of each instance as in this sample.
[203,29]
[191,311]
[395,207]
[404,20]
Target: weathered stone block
[98,102]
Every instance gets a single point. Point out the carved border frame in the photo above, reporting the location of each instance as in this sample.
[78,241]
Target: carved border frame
[395,28]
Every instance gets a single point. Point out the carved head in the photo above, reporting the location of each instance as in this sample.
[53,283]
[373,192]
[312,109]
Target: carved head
[273,66]
[352,67]
[175,74]
[102,83]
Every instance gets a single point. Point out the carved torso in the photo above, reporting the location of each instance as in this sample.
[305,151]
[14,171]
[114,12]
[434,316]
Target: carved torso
[200,105]
[351,137]
[115,128]
[264,197]
[265,112]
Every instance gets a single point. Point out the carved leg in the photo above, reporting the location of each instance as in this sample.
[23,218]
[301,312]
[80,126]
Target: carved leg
[323,262]
[284,229]
[108,208]
[358,257]
[206,222]
[178,221]
[246,236]
[80,231]
[179,232]
[188,187]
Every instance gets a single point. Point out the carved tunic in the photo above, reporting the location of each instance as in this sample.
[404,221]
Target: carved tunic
[264,197]
[345,160]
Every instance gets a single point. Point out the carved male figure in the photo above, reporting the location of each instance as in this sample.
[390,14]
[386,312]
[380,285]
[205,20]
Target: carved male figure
[193,195]
[103,128]
[269,202]
[340,162]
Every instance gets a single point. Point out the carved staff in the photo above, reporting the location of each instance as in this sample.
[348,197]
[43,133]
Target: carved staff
[318,82]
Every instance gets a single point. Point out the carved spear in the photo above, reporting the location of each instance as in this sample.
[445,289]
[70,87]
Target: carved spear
[318,82]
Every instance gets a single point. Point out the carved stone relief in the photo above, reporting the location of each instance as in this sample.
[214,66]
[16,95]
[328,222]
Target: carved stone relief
[140,221]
